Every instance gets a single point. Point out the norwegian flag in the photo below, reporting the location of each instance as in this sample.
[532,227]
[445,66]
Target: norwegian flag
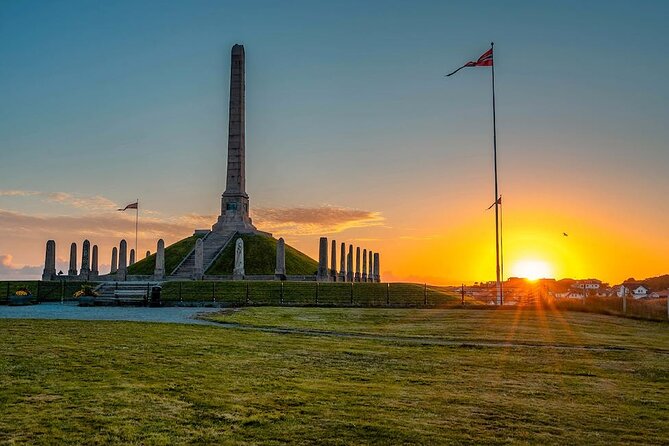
[484,61]
[134,205]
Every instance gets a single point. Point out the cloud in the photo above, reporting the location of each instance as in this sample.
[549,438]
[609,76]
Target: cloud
[10,271]
[311,221]
[95,202]
[114,224]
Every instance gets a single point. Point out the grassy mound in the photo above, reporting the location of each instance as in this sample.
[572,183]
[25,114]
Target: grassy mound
[260,258]
[173,256]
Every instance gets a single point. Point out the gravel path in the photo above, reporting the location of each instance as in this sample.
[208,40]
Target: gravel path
[176,315]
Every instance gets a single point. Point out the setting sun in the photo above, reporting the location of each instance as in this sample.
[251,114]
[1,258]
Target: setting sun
[532,269]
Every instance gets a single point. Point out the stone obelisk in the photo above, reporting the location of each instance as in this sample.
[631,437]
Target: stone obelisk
[235,201]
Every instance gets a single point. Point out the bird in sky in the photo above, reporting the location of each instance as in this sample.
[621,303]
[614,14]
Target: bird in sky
[564,234]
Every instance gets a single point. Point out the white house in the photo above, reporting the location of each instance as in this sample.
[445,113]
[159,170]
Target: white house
[636,290]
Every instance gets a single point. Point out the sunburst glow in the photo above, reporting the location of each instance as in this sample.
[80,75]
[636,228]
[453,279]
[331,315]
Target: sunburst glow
[532,269]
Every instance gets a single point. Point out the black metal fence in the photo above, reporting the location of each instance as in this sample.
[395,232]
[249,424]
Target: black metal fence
[42,291]
[307,293]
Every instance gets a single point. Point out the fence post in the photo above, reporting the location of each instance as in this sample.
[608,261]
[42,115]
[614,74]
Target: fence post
[38,282]
[62,291]
[624,304]
[462,294]
[213,291]
[247,293]
[351,293]
[388,294]
[281,293]
[180,298]
[425,295]
[318,288]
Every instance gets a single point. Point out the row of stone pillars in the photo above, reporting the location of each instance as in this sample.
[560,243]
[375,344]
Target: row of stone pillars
[370,269]
[89,261]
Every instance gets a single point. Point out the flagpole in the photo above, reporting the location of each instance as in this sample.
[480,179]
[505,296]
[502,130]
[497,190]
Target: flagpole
[494,146]
[136,227]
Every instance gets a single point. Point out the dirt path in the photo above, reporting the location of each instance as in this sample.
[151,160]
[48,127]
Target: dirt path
[462,343]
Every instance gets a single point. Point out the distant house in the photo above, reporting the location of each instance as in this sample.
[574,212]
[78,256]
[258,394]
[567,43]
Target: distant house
[588,284]
[636,290]
[659,294]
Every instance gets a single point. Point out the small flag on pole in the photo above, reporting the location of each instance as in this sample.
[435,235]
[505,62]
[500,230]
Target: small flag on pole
[484,61]
[499,201]
[134,205]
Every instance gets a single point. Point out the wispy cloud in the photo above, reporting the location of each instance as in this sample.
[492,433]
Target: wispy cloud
[95,202]
[315,220]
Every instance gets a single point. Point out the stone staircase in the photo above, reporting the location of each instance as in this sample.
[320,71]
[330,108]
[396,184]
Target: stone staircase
[128,293]
[213,244]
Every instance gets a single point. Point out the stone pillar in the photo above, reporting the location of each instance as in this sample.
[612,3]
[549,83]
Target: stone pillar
[73,260]
[198,267]
[349,264]
[238,273]
[132,257]
[122,271]
[333,261]
[357,264]
[49,272]
[85,270]
[377,270]
[322,275]
[342,263]
[114,258]
[148,254]
[280,270]
[364,266]
[94,263]
[159,270]
[370,267]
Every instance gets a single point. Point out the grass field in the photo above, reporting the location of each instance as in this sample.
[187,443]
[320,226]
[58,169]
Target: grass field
[133,383]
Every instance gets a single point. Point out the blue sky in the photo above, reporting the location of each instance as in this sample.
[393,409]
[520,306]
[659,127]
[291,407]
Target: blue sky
[347,107]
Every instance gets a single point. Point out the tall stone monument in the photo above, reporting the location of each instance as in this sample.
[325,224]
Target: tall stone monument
[49,272]
[114,259]
[323,275]
[122,271]
[85,270]
[377,268]
[363,278]
[235,201]
[357,264]
[280,270]
[132,257]
[238,273]
[159,270]
[72,271]
[333,261]
[94,263]
[342,263]
[370,274]
[349,264]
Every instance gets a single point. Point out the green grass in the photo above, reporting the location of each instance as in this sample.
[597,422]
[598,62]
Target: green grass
[174,254]
[235,293]
[133,383]
[260,258]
